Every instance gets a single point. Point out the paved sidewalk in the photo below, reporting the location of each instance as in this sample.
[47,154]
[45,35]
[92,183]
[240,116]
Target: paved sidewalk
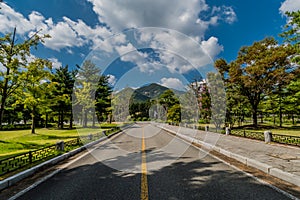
[281,161]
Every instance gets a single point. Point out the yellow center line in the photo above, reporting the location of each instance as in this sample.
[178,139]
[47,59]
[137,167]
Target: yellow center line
[144,182]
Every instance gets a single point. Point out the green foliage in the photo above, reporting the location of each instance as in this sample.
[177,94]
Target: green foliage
[292,33]
[103,100]
[14,58]
[86,85]
[172,106]
[36,80]
[92,94]
[61,99]
[259,69]
[139,110]
[218,98]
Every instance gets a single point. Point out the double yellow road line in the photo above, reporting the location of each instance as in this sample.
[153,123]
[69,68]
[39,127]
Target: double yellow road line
[144,182]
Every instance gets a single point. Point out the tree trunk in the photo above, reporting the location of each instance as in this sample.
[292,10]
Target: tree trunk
[94,119]
[110,118]
[4,94]
[62,120]
[254,116]
[71,121]
[58,123]
[280,113]
[85,119]
[33,121]
[46,121]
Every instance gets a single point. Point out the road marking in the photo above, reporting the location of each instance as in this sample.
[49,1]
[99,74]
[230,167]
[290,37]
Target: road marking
[234,167]
[144,182]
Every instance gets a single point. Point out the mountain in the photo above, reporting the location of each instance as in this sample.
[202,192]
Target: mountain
[145,93]
[152,90]
[138,97]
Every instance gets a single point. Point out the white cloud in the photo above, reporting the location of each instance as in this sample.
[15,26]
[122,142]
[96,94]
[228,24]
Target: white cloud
[64,34]
[211,47]
[179,52]
[112,79]
[289,5]
[55,63]
[125,49]
[173,83]
[11,19]
[121,14]
[224,13]
[182,16]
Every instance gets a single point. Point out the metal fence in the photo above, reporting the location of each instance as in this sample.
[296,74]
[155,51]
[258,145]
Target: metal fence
[30,158]
[249,134]
[277,138]
[26,159]
[286,139]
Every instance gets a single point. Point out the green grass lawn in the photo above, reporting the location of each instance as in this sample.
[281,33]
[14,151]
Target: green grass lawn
[287,129]
[20,141]
[292,132]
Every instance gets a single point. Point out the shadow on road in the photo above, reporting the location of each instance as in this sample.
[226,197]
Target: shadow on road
[186,179]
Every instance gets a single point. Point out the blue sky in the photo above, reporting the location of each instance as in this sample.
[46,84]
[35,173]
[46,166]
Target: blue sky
[184,39]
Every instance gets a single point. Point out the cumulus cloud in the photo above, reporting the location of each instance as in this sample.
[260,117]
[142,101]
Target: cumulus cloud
[112,79]
[224,13]
[179,15]
[64,34]
[289,5]
[211,47]
[173,83]
[182,16]
[177,52]
[55,63]
[11,19]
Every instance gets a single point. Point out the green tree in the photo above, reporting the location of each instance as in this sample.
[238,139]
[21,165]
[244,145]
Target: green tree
[103,97]
[36,81]
[86,85]
[139,110]
[121,102]
[64,80]
[292,33]
[218,98]
[293,98]
[292,36]
[259,69]
[13,58]
[85,100]
[200,90]
[236,104]
[172,106]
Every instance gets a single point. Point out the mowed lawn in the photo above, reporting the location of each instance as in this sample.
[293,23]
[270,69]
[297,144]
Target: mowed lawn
[286,130]
[19,141]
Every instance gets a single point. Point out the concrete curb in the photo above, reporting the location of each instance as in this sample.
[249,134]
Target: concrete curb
[24,174]
[278,173]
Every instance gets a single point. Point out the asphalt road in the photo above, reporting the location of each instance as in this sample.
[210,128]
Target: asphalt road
[145,162]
